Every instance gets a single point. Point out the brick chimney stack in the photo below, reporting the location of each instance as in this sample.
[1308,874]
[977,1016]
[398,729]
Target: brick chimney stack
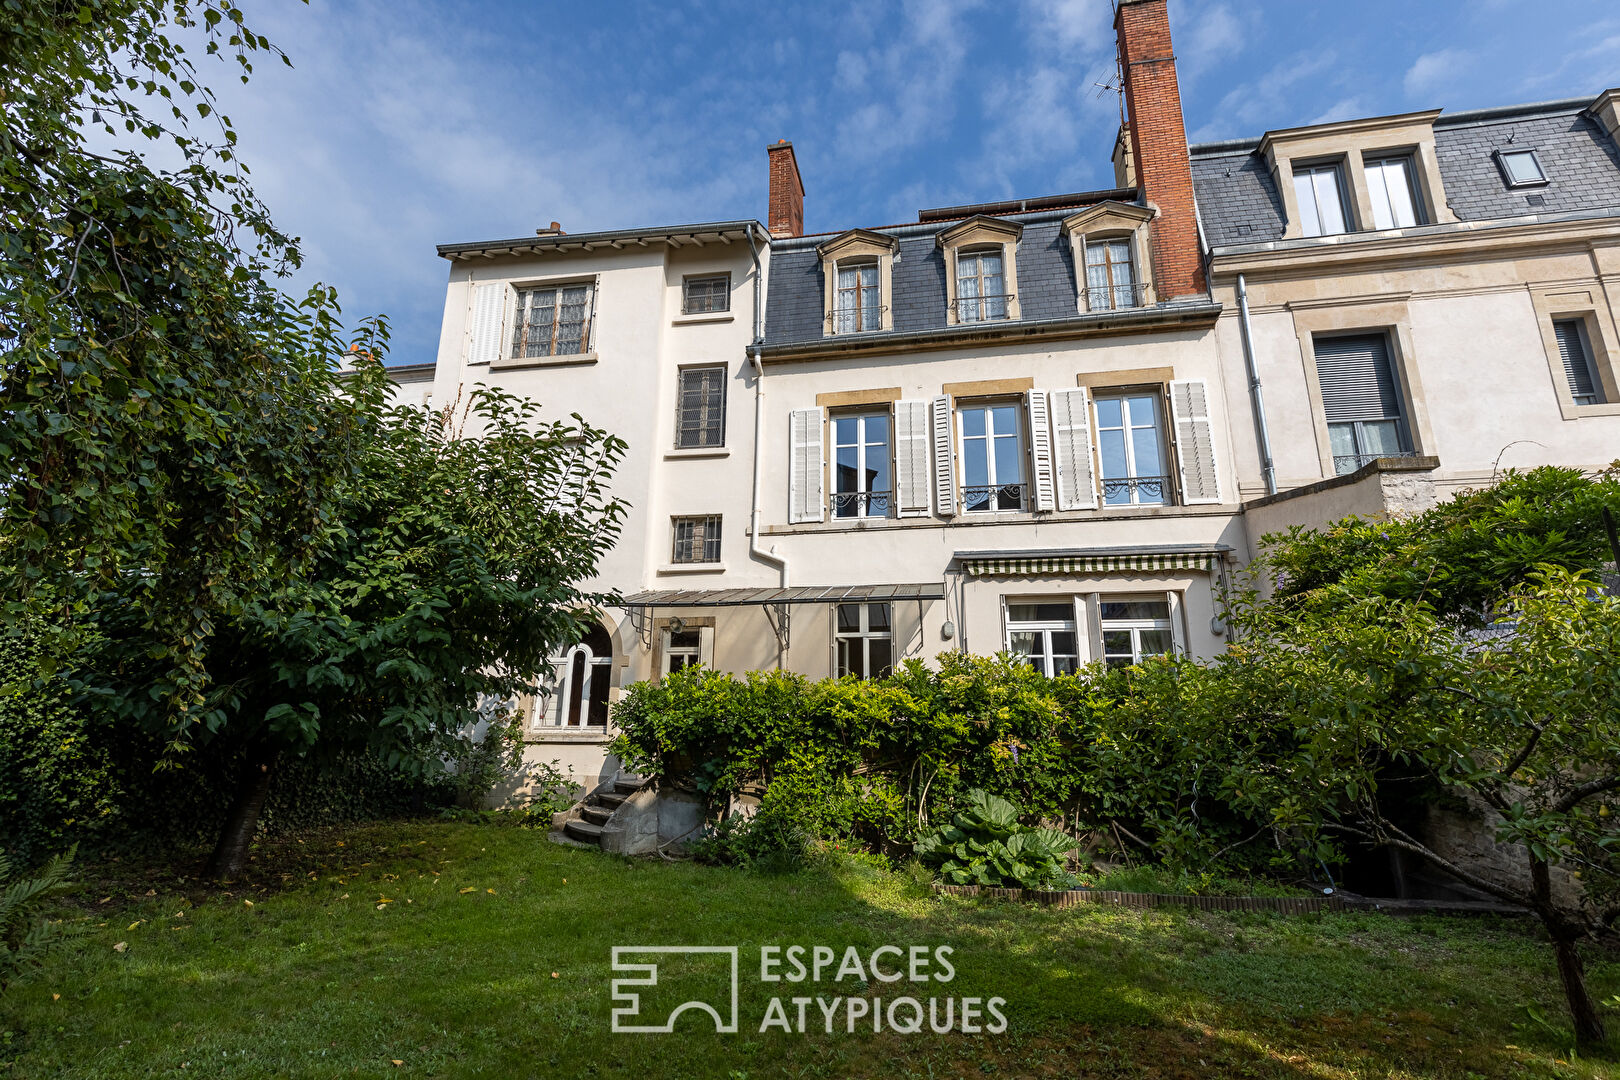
[787,191]
[1158,144]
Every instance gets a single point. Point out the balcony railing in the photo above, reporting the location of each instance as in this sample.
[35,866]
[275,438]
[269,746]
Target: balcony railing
[1136,490]
[1117,297]
[1344,464]
[848,504]
[856,320]
[982,308]
[993,497]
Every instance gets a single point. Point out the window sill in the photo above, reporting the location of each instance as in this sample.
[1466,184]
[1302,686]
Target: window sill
[515,363]
[1575,412]
[700,317]
[547,734]
[697,452]
[692,568]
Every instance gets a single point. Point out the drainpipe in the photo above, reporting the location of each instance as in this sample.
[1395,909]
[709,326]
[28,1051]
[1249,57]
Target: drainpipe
[1267,468]
[754,547]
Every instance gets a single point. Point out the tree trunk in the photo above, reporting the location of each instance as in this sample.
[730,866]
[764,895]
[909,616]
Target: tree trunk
[253,784]
[1582,1011]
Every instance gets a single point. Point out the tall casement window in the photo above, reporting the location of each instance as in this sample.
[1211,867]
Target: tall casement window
[1395,204]
[862,474]
[554,321]
[857,309]
[1575,350]
[992,457]
[981,287]
[1044,634]
[1319,191]
[1134,628]
[1110,277]
[700,416]
[864,635]
[710,292]
[576,692]
[697,539]
[1131,450]
[1361,399]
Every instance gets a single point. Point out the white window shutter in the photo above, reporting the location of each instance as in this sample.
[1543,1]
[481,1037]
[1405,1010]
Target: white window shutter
[1040,448]
[944,465]
[1071,450]
[911,472]
[805,467]
[489,321]
[1195,441]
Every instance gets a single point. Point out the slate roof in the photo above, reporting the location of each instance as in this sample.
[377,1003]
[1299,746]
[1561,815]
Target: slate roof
[1239,204]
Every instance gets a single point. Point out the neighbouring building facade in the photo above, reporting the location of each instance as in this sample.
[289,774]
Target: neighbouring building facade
[1054,426]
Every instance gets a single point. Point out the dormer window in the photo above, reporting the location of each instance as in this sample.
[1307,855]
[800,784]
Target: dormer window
[857,270]
[1395,203]
[1110,275]
[981,269]
[1110,246]
[1319,194]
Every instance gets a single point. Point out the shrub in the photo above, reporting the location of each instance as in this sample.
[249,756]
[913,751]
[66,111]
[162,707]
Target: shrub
[985,845]
[24,939]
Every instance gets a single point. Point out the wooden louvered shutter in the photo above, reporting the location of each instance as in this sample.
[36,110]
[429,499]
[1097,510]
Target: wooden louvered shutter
[489,321]
[1577,361]
[1040,448]
[1356,380]
[1071,450]
[911,471]
[944,458]
[1195,441]
[805,466]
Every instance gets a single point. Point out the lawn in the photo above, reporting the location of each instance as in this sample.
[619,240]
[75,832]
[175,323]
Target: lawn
[459,950]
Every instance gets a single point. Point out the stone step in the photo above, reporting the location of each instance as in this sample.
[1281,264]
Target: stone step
[628,784]
[584,831]
[609,799]
[596,815]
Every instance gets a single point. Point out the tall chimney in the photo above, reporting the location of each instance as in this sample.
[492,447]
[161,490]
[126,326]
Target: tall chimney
[787,191]
[1158,144]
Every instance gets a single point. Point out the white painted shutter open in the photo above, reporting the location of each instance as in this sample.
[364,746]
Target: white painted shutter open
[1071,450]
[944,466]
[1040,448]
[489,320]
[911,471]
[1195,441]
[805,499]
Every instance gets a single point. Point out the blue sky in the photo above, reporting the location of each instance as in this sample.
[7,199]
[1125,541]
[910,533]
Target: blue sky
[404,124]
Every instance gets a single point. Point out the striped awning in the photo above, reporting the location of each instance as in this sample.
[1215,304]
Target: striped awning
[1092,561]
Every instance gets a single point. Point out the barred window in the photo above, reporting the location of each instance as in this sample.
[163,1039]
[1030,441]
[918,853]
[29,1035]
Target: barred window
[700,408]
[709,293]
[697,539]
[553,321]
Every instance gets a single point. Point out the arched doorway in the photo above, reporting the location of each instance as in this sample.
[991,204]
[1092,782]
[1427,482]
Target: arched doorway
[578,692]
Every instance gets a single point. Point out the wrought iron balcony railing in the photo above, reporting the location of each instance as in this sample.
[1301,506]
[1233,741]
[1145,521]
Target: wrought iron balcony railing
[982,308]
[1349,463]
[848,504]
[1136,490]
[1116,297]
[993,497]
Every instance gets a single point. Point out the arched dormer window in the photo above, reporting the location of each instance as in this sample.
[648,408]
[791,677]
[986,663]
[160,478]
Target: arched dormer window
[981,269]
[1112,257]
[857,271]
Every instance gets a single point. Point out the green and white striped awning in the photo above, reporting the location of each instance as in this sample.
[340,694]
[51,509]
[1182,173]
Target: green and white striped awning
[1080,561]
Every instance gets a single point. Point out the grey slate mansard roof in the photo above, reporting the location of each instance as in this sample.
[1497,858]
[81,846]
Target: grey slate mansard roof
[1046,284]
[1239,202]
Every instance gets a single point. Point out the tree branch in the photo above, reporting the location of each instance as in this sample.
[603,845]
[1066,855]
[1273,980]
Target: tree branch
[1592,787]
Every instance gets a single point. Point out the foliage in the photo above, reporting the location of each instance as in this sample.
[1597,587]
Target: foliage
[986,845]
[25,939]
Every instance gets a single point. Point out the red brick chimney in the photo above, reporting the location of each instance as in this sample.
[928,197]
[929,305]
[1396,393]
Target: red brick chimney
[1159,144]
[787,191]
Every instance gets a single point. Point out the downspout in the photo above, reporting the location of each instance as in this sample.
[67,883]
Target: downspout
[1267,468]
[754,548]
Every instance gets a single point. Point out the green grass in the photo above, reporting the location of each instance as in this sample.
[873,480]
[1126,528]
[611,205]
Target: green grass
[453,976]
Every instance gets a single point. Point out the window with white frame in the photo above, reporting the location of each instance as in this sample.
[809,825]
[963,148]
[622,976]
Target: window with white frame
[863,484]
[697,539]
[1045,634]
[553,321]
[981,286]
[682,649]
[1131,450]
[1575,351]
[1361,400]
[992,457]
[700,417]
[864,636]
[1110,275]
[857,309]
[1521,168]
[1395,203]
[575,693]
[1319,193]
[1134,628]
[705,293]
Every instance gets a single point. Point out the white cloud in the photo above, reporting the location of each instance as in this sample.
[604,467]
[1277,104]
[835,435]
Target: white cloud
[1207,34]
[1433,72]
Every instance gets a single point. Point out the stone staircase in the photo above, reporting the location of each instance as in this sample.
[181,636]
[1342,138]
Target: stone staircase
[584,821]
